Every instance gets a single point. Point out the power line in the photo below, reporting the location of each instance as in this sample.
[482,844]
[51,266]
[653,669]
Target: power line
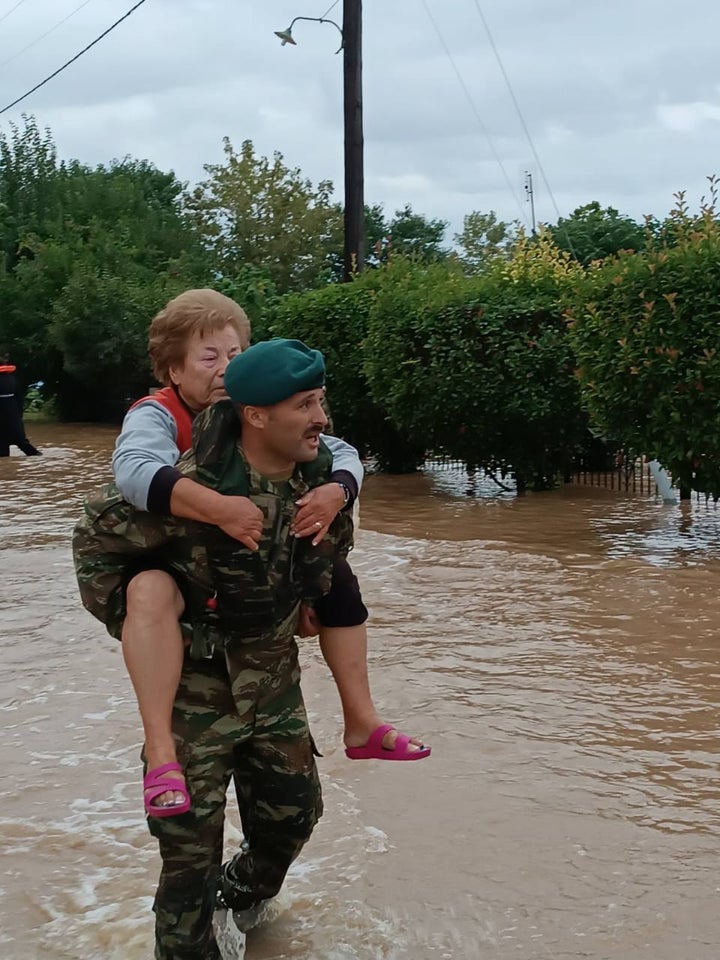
[520,115]
[43,35]
[11,10]
[332,7]
[73,59]
[475,110]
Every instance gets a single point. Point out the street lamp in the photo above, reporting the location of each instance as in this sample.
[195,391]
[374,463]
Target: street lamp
[287,37]
[351,45]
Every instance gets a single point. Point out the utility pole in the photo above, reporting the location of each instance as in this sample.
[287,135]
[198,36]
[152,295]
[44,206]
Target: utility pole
[354,245]
[531,198]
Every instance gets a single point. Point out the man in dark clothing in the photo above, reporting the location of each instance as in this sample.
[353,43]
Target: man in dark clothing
[11,422]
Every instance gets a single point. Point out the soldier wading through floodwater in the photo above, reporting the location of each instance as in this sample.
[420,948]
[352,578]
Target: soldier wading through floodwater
[239,711]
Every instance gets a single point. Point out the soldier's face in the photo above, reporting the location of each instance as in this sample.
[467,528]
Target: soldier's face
[200,378]
[293,427]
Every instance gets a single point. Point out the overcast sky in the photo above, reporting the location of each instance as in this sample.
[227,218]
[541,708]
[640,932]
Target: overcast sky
[621,97]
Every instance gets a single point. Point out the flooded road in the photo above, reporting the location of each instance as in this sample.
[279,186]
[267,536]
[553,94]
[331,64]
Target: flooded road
[559,652]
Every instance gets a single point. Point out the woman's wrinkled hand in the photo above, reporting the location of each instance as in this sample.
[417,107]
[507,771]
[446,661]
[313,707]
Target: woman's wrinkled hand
[317,510]
[242,520]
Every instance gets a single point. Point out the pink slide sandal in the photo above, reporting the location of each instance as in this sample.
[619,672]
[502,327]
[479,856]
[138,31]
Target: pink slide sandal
[155,784]
[374,749]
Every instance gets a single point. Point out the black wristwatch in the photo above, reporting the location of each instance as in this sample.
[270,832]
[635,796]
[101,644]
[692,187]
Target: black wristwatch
[346,491]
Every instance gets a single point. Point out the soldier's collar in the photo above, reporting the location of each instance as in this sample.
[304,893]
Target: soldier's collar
[258,480]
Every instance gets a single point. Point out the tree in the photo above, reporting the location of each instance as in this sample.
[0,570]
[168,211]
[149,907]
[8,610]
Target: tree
[594,233]
[406,234]
[484,238]
[376,237]
[255,210]
[29,197]
[411,234]
[75,240]
[99,325]
[254,289]
[142,203]
[644,329]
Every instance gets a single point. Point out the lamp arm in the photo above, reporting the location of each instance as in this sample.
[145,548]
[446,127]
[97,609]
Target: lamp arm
[323,20]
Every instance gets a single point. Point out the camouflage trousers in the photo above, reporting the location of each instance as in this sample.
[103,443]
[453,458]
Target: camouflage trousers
[238,715]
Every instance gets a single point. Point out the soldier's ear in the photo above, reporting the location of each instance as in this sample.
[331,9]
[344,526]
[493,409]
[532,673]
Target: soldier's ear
[254,416]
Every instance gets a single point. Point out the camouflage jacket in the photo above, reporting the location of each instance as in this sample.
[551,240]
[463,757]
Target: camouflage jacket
[229,590]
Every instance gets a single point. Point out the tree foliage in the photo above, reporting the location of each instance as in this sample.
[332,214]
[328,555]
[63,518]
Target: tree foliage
[484,238]
[89,255]
[334,320]
[480,368]
[406,233]
[645,331]
[593,232]
[257,210]
[463,354]
[411,234]
[99,326]
[28,196]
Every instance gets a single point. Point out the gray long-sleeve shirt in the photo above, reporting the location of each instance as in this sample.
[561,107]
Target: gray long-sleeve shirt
[146,452]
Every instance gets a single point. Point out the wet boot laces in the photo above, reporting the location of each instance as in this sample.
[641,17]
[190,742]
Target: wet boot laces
[233,893]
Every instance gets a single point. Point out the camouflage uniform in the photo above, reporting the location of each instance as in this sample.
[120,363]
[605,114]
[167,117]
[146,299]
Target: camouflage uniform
[114,541]
[239,710]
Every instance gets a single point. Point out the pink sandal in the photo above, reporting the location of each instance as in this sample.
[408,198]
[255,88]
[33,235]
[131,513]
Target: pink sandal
[374,749]
[155,784]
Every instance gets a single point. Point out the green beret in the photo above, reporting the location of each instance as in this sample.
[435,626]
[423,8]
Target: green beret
[272,371]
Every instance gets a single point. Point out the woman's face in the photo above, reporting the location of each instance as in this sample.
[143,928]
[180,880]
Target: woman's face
[200,378]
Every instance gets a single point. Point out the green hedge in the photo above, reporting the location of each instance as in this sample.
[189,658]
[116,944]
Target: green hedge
[646,332]
[334,320]
[481,368]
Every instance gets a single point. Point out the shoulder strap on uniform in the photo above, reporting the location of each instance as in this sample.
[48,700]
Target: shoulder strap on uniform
[218,460]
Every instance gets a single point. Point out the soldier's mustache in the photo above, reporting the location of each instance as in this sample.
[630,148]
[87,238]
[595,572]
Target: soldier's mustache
[313,432]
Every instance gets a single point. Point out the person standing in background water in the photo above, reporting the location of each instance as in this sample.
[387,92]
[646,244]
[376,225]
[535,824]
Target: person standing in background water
[12,430]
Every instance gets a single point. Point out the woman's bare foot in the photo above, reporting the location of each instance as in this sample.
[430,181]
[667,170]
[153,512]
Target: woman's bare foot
[357,734]
[158,758]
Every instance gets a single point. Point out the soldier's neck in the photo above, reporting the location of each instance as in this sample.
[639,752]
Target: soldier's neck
[266,462]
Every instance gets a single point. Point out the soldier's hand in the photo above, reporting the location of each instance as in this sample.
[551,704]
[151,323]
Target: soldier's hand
[308,623]
[317,510]
[242,520]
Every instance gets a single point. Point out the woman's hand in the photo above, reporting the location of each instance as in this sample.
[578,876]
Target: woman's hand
[241,519]
[308,623]
[317,510]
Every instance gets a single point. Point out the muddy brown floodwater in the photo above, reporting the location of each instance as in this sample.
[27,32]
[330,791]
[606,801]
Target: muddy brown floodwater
[559,652]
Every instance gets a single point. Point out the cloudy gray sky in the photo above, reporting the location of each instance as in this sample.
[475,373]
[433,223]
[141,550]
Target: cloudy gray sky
[621,97]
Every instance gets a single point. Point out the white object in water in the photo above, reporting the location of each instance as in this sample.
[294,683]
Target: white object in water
[662,481]
[230,927]
[230,940]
